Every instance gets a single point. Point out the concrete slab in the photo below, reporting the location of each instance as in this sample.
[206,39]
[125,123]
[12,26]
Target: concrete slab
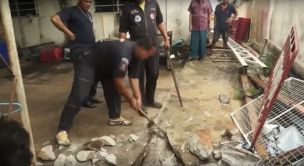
[47,89]
[200,86]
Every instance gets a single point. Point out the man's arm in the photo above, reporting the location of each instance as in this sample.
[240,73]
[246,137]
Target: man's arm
[58,20]
[124,22]
[234,12]
[160,23]
[210,11]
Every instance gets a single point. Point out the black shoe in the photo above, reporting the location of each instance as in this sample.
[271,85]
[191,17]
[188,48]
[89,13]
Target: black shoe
[190,59]
[201,59]
[155,104]
[88,104]
[96,100]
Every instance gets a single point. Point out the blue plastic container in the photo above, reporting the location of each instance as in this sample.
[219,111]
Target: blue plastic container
[4,53]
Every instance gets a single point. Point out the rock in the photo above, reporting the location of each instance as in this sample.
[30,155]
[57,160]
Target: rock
[61,147]
[102,155]
[94,139]
[232,156]
[46,153]
[39,164]
[217,154]
[237,138]
[168,162]
[83,156]
[224,99]
[226,133]
[46,143]
[113,136]
[118,140]
[70,161]
[194,146]
[103,150]
[220,162]
[94,145]
[111,159]
[133,137]
[108,141]
[60,161]
[234,132]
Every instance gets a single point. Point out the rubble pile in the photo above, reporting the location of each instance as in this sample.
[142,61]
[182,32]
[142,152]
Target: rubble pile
[92,151]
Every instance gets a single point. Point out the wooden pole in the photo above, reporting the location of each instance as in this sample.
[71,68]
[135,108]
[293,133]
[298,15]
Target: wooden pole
[14,62]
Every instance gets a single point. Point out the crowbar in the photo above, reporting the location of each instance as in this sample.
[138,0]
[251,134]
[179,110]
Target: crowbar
[174,78]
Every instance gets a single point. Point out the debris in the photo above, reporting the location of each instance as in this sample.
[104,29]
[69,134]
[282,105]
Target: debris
[233,156]
[94,145]
[234,132]
[94,139]
[133,137]
[39,164]
[46,143]
[46,153]
[217,154]
[118,140]
[108,141]
[220,162]
[194,146]
[224,99]
[210,164]
[103,150]
[111,159]
[61,147]
[226,133]
[83,156]
[191,118]
[102,155]
[237,138]
[70,161]
[60,161]
[94,161]
[113,136]
[170,161]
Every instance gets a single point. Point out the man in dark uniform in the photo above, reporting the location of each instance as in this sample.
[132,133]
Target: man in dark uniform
[222,18]
[80,32]
[139,18]
[108,61]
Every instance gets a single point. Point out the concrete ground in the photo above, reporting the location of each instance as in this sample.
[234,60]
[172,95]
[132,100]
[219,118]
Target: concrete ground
[47,86]
[203,114]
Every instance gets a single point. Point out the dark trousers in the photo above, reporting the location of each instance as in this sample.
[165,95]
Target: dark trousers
[216,37]
[148,77]
[84,74]
[93,89]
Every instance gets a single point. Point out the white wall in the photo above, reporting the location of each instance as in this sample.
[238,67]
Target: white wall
[29,32]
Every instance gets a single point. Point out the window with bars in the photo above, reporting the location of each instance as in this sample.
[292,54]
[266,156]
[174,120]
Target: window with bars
[104,6]
[21,8]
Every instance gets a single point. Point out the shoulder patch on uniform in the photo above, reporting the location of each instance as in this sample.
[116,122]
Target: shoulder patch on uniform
[123,64]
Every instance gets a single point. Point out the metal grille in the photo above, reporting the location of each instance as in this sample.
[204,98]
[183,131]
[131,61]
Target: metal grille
[284,125]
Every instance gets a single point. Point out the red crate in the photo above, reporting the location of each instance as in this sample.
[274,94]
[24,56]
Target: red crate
[51,54]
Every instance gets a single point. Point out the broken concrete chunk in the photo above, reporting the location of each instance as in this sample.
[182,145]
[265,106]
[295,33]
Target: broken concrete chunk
[217,154]
[113,136]
[94,139]
[61,147]
[108,141]
[103,150]
[226,133]
[102,155]
[237,138]
[133,137]
[46,153]
[224,99]
[194,146]
[94,161]
[111,159]
[46,143]
[94,145]
[70,161]
[83,156]
[39,164]
[210,164]
[60,161]
[118,140]
[234,132]
[220,162]
[232,156]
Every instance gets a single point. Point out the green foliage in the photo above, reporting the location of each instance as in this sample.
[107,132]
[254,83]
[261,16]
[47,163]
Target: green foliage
[239,93]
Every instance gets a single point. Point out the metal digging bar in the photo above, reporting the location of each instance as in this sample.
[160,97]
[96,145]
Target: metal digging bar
[174,78]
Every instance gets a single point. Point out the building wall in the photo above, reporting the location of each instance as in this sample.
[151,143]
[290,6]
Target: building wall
[273,19]
[37,30]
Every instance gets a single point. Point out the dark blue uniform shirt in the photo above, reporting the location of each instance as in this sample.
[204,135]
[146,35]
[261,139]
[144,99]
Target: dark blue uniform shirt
[81,24]
[113,59]
[222,15]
